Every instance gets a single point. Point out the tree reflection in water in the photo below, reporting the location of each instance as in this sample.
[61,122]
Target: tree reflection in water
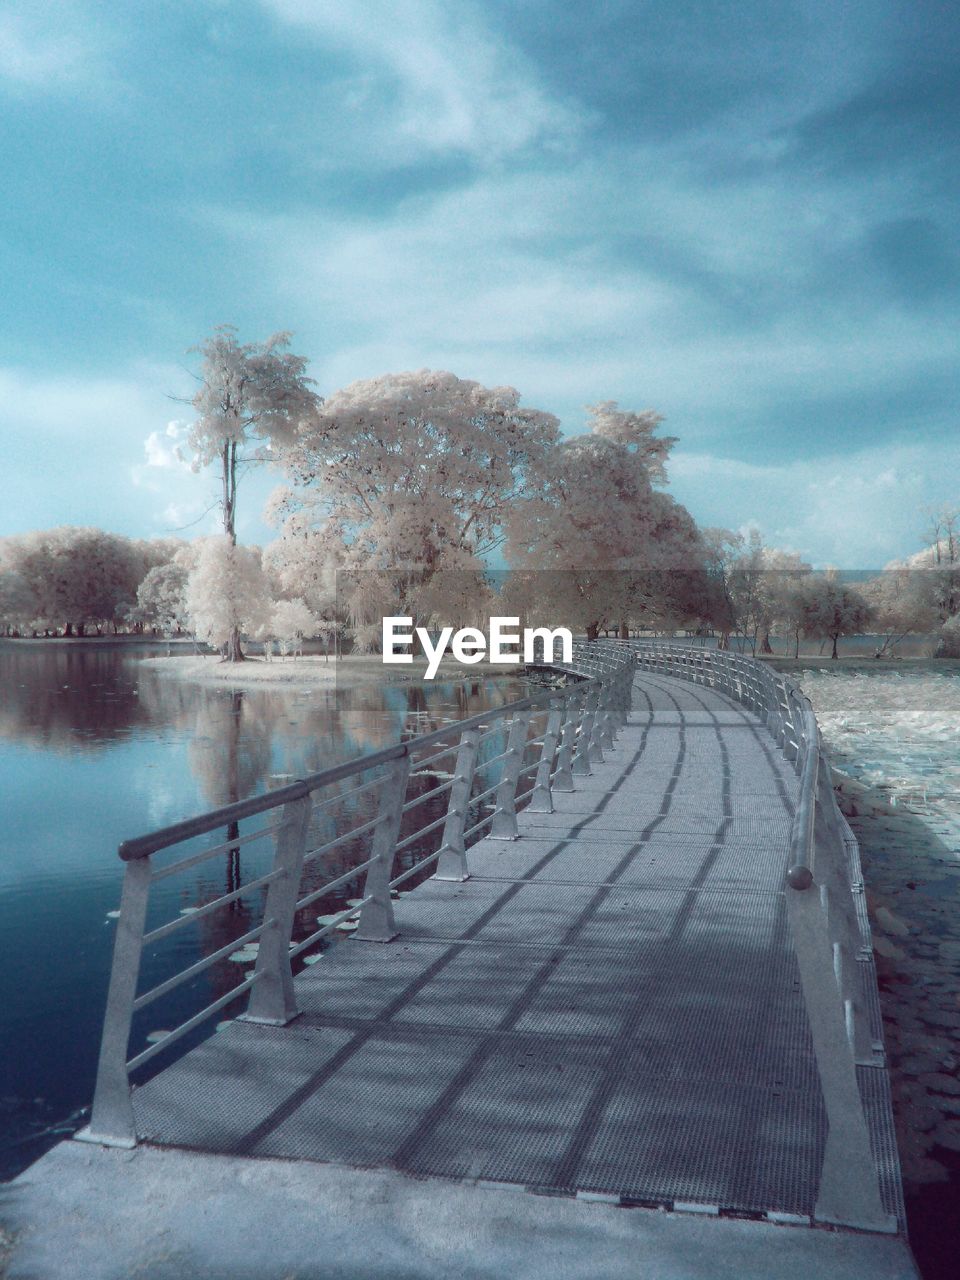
[97,748]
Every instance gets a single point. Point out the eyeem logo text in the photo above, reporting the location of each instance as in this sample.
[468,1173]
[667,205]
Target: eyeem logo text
[470,645]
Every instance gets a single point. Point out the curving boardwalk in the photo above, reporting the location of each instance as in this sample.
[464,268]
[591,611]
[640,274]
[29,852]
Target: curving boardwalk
[616,1012]
[610,1005]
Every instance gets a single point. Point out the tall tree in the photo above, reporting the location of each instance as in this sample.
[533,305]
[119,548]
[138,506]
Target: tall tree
[413,474]
[254,400]
[226,594]
[601,529]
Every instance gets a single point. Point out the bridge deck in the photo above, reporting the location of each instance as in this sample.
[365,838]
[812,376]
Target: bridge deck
[610,1005]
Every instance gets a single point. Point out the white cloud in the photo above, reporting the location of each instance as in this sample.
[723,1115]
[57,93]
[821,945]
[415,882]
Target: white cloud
[72,446]
[512,279]
[166,450]
[856,510]
[459,87]
[52,49]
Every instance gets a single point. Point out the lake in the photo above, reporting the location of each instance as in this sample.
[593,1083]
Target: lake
[96,748]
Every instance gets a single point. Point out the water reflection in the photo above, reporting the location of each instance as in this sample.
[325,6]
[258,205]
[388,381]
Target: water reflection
[96,748]
[67,699]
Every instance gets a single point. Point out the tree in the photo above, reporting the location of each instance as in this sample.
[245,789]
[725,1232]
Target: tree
[17,601]
[290,622]
[226,594]
[160,597]
[412,474]
[597,529]
[832,609]
[252,392]
[75,577]
[722,546]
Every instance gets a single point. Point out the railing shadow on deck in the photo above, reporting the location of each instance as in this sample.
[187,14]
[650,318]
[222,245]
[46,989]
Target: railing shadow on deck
[552,738]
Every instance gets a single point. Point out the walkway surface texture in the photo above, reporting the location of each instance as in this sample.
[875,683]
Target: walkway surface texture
[608,1007]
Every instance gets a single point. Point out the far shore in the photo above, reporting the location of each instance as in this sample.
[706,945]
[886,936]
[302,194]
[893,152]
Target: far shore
[315,670]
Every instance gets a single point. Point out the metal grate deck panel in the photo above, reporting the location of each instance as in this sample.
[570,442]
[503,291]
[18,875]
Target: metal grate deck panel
[610,1004]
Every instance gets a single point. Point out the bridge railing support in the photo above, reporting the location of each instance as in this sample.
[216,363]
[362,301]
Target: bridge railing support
[820,887]
[577,723]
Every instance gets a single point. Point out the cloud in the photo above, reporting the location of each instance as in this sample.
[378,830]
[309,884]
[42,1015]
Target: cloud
[51,50]
[451,83]
[853,511]
[576,283]
[70,450]
[165,449]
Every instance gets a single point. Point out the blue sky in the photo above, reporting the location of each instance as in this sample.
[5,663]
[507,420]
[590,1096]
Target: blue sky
[741,214]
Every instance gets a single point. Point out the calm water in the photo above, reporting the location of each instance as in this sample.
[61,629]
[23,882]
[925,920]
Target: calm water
[94,749]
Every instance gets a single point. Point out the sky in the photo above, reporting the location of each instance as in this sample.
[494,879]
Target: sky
[741,214]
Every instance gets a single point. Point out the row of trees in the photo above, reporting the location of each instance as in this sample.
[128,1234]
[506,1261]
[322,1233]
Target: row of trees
[399,490]
[85,581]
[78,580]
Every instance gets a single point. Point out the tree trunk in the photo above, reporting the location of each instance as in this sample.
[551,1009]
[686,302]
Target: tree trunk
[624,631]
[834,653]
[593,630]
[796,644]
[232,649]
[765,641]
[723,641]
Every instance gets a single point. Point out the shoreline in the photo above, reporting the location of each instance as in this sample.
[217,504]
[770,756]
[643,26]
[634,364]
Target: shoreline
[912,881]
[317,671]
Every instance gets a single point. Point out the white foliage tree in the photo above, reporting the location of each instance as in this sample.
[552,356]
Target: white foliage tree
[254,400]
[226,595]
[160,596]
[290,622]
[599,533]
[832,608]
[413,474]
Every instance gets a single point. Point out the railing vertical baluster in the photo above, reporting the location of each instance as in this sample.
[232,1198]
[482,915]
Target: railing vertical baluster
[376,922]
[564,772]
[606,718]
[581,757]
[452,863]
[849,1192]
[541,801]
[111,1118]
[596,730]
[272,1000]
[504,825]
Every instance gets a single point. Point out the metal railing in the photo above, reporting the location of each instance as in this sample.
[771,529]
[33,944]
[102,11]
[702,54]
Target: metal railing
[551,738]
[822,883]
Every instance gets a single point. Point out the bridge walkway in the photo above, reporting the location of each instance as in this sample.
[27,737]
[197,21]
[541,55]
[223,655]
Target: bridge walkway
[609,1007]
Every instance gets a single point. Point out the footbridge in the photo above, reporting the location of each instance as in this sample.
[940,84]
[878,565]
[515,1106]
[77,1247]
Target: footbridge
[606,1005]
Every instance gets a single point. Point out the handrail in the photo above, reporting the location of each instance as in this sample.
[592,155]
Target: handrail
[580,720]
[176,833]
[826,933]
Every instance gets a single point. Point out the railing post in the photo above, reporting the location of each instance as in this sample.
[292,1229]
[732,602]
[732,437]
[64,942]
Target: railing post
[563,781]
[628,690]
[272,1000]
[581,757]
[504,825]
[541,801]
[849,1192]
[376,922]
[452,863]
[595,748]
[841,922]
[111,1118]
[606,717]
